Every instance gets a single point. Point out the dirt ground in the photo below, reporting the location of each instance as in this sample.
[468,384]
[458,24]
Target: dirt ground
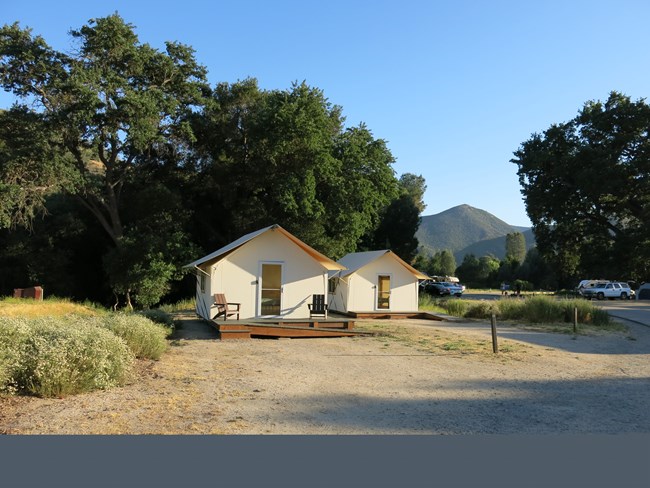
[417,377]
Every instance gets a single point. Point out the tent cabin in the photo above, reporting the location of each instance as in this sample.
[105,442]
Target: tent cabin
[374,281]
[643,293]
[269,272]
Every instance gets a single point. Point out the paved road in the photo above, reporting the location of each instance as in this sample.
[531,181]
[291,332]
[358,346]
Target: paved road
[635,310]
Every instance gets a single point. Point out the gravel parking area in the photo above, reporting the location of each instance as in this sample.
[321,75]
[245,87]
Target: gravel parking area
[416,377]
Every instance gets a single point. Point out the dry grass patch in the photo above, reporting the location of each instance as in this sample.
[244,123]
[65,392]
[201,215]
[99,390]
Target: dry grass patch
[567,328]
[435,341]
[51,307]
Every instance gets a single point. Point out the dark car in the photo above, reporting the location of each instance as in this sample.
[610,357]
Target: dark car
[437,289]
[455,289]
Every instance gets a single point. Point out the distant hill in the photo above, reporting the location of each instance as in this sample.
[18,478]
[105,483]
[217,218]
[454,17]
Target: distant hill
[465,229]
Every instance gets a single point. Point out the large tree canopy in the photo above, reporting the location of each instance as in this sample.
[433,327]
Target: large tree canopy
[91,124]
[283,156]
[126,139]
[586,185]
[97,114]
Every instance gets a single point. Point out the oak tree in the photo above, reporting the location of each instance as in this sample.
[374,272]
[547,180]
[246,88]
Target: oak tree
[88,121]
[586,185]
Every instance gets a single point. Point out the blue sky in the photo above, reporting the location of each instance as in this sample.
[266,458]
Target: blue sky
[454,87]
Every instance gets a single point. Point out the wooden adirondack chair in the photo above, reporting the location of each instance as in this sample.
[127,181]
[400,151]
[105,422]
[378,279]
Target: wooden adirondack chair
[224,307]
[318,306]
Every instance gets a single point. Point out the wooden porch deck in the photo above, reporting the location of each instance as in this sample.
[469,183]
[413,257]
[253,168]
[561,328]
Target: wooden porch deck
[275,328]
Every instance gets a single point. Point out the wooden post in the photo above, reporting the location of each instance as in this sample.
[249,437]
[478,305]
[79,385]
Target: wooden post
[575,320]
[493,321]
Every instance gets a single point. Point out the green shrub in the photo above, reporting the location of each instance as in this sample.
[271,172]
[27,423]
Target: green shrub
[456,307]
[67,354]
[13,334]
[482,309]
[186,304]
[158,316]
[511,309]
[145,338]
[428,303]
[541,310]
[57,356]
[546,309]
[587,312]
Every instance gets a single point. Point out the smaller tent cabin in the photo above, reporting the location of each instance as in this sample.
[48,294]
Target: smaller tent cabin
[374,281]
[269,272]
[643,293]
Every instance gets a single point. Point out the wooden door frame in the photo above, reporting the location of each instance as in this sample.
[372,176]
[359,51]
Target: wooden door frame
[260,284]
[390,288]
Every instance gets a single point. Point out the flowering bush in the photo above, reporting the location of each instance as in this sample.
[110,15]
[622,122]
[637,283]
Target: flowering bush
[56,347]
[145,338]
[57,356]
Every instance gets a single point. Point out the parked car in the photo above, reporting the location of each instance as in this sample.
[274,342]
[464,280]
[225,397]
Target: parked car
[611,290]
[455,289]
[442,288]
[435,288]
[588,284]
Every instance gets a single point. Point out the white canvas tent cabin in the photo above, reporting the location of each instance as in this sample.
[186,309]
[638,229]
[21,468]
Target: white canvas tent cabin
[269,272]
[375,283]
[643,293]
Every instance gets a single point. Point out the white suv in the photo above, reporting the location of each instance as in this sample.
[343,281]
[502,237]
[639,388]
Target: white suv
[609,290]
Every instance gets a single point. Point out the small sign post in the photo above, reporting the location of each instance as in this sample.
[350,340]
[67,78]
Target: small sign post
[495,346]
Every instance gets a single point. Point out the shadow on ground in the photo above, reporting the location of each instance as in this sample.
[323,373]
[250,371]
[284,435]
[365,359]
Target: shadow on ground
[190,327]
[612,406]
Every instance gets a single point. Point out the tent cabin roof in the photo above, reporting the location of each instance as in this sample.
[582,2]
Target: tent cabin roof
[221,253]
[357,260]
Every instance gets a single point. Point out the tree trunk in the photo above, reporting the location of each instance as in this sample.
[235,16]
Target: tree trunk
[128,300]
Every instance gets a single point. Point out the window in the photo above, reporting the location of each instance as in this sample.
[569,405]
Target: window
[271,289]
[202,282]
[331,285]
[383,292]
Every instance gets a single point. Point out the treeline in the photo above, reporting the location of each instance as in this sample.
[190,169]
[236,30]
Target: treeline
[120,163]
[529,268]
[532,273]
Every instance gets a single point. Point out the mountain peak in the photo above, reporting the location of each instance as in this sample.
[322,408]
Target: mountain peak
[461,226]
[465,209]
